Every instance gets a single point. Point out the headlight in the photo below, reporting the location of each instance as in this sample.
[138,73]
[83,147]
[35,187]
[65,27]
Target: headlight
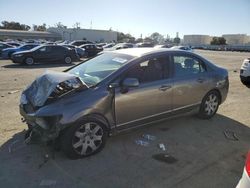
[18,55]
[42,123]
[67,86]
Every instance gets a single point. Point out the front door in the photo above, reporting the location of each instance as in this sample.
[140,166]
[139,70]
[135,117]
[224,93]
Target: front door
[151,99]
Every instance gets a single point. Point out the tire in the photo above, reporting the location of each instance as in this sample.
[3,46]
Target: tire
[245,82]
[83,139]
[29,61]
[67,60]
[209,105]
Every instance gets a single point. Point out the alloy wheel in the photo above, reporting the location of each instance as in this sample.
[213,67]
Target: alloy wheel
[87,138]
[67,60]
[29,61]
[211,104]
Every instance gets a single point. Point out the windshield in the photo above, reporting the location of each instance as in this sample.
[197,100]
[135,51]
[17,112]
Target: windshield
[95,70]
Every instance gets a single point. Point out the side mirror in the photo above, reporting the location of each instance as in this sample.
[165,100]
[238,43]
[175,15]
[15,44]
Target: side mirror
[130,82]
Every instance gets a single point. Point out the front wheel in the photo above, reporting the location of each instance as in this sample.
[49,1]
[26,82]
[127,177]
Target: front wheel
[84,139]
[29,61]
[209,105]
[67,60]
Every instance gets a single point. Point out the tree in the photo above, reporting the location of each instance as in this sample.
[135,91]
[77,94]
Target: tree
[14,26]
[177,40]
[121,37]
[39,27]
[139,40]
[60,25]
[157,38]
[218,41]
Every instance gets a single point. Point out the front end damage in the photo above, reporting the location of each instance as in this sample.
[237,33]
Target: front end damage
[45,90]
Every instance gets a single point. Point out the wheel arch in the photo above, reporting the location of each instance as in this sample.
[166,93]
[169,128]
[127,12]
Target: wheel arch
[98,117]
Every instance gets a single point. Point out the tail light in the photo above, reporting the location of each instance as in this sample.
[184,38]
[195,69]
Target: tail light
[248,164]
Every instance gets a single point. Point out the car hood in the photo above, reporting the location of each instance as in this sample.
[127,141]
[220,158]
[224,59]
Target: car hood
[51,84]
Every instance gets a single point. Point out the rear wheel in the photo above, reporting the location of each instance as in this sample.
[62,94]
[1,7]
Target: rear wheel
[84,139]
[209,105]
[29,61]
[67,60]
[245,82]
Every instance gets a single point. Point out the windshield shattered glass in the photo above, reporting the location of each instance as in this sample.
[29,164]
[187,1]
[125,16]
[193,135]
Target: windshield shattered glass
[95,70]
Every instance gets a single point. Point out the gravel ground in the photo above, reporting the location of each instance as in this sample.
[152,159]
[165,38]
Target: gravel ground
[204,156]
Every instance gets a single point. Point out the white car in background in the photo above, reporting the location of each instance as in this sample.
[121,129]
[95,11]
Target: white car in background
[186,48]
[245,72]
[245,180]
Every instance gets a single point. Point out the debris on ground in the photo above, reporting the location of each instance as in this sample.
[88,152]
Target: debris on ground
[162,146]
[149,137]
[235,70]
[163,157]
[142,142]
[48,183]
[2,95]
[12,92]
[45,160]
[230,135]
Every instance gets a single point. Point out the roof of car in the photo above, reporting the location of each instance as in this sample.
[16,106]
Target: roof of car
[138,52]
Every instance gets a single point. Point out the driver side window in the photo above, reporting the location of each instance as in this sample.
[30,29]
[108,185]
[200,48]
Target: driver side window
[150,70]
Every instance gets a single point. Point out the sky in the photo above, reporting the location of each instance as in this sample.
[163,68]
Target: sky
[137,17]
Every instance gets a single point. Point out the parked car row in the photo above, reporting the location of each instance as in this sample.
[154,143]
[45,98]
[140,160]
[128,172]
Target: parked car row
[45,54]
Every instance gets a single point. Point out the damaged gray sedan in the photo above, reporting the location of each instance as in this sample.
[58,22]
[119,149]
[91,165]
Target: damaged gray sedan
[117,91]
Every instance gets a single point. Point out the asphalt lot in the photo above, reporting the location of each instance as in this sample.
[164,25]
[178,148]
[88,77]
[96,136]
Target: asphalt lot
[204,156]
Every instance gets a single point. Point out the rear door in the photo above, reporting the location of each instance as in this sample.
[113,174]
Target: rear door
[191,81]
[151,99]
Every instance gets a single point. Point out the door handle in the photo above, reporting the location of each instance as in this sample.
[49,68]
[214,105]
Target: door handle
[200,80]
[164,87]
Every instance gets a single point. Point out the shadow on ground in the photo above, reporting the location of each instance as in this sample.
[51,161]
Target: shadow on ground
[35,66]
[205,158]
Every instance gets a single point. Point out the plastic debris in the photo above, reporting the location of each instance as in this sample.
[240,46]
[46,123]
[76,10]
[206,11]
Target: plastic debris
[48,182]
[230,135]
[149,137]
[162,157]
[12,92]
[162,147]
[142,142]
[45,160]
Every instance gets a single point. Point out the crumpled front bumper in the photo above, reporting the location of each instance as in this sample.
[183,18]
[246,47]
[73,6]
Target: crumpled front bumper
[43,128]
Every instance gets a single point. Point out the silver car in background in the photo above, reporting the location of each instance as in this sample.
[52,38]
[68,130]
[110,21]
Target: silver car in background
[117,91]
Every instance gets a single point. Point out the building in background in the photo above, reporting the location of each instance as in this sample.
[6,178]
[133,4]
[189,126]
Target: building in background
[237,39]
[17,34]
[231,39]
[196,40]
[92,35]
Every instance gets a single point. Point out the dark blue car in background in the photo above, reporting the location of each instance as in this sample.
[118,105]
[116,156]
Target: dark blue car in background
[6,53]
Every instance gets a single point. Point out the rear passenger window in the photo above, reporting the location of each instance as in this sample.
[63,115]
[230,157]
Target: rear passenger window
[185,65]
